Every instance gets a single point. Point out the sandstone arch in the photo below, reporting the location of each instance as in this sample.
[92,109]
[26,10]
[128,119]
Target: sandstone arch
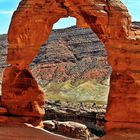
[30,27]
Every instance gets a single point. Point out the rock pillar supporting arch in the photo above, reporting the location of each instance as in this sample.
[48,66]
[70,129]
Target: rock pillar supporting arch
[30,27]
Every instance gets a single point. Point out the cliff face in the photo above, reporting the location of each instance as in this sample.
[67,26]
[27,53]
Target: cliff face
[69,63]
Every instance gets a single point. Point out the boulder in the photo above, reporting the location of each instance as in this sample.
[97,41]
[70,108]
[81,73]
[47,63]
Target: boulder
[49,125]
[69,129]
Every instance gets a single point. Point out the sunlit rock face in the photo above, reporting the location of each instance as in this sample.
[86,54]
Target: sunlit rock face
[32,24]
[19,83]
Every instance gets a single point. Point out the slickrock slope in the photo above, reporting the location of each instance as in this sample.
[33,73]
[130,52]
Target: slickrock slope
[19,132]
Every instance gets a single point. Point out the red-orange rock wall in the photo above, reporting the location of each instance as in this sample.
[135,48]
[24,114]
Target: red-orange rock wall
[31,25]
[124,97]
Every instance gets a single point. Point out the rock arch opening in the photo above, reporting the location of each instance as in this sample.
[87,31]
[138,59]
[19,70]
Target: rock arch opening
[68,62]
[72,69]
[65,23]
[71,60]
[110,21]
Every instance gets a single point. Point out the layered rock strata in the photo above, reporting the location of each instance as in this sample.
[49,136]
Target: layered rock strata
[69,63]
[70,54]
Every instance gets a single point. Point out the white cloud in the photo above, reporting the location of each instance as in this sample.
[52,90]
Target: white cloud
[6,12]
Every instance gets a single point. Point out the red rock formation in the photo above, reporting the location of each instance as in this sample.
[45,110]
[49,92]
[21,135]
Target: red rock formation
[21,95]
[31,25]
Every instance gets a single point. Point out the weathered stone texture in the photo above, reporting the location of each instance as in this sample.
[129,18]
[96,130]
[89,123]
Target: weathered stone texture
[21,94]
[32,23]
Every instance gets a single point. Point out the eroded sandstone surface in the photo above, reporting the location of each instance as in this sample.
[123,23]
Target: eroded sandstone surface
[19,83]
[32,24]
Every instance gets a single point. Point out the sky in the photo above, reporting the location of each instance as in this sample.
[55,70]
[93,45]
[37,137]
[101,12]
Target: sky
[7,8]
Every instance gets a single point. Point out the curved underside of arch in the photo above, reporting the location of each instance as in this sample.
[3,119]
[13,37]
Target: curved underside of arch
[30,27]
